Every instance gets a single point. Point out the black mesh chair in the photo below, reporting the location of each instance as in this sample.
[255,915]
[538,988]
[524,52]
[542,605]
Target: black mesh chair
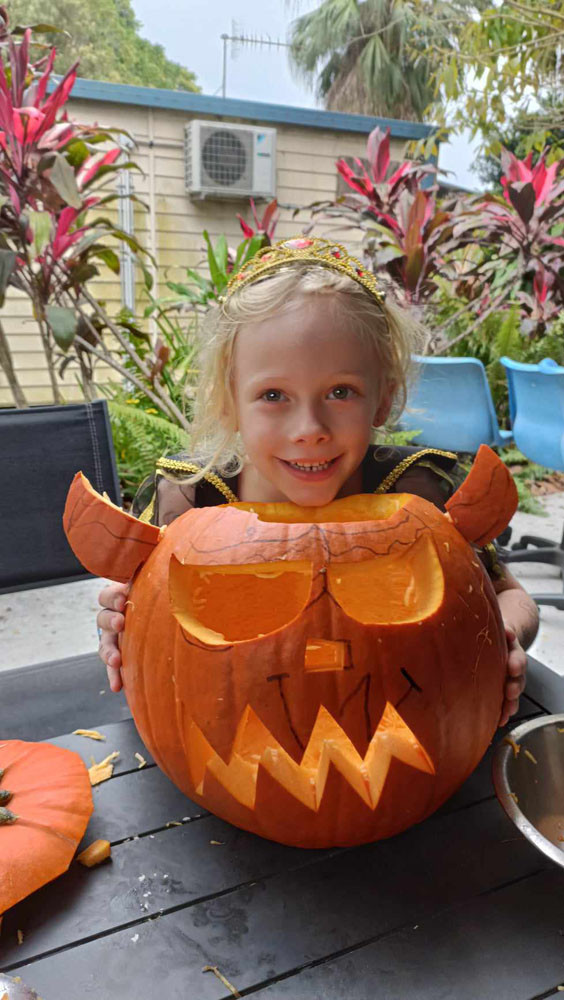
[41,448]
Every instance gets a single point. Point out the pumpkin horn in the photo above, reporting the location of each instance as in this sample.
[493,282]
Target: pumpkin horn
[486,501]
[104,538]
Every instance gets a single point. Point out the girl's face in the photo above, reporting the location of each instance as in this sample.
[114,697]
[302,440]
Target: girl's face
[307,391]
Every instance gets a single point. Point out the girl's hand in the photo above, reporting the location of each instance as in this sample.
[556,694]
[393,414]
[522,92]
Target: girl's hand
[516,675]
[110,622]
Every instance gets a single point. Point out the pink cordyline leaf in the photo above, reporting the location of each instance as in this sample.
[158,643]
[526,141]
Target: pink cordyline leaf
[386,220]
[369,187]
[399,173]
[515,169]
[542,184]
[19,58]
[30,124]
[350,178]
[92,165]
[248,233]
[254,211]
[270,218]
[63,239]
[44,79]
[59,96]
[378,150]
[542,283]
[56,136]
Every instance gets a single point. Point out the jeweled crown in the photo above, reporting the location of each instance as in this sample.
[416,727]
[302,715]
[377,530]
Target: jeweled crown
[309,250]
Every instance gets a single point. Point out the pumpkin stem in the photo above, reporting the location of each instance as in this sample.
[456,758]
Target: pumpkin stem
[6,816]
[5,796]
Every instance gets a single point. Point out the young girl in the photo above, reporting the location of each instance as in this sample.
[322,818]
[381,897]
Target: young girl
[303,361]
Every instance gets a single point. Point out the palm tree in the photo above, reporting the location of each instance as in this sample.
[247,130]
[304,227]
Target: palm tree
[367,56]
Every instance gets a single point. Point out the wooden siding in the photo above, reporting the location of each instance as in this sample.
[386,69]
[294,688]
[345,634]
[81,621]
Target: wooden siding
[172,228]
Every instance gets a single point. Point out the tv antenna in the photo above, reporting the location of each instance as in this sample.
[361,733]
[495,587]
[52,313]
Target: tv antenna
[237,38]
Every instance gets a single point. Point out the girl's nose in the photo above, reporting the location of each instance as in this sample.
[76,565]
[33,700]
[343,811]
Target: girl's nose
[309,428]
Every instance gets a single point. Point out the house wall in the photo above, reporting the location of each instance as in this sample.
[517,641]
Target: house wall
[172,227]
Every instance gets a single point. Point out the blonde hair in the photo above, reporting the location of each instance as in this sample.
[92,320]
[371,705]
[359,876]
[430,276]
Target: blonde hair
[391,330]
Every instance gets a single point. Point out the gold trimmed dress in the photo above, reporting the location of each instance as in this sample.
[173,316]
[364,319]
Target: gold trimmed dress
[165,495]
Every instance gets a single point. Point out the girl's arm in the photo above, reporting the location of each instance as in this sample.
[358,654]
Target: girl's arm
[521,619]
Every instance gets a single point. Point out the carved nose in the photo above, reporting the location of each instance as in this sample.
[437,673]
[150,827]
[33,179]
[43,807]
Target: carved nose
[326,654]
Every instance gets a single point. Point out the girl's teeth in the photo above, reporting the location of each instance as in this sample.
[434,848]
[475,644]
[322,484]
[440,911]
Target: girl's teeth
[310,468]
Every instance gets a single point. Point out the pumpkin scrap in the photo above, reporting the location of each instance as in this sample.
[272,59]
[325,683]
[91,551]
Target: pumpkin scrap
[50,805]
[92,734]
[14,988]
[95,853]
[222,979]
[86,511]
[141,759]
[516,747]
[103,770]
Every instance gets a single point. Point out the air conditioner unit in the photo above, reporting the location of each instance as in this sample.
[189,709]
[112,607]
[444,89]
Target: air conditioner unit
[229,161]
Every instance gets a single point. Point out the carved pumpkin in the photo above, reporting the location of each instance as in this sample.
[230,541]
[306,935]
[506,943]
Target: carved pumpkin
[320,676]
[45,806]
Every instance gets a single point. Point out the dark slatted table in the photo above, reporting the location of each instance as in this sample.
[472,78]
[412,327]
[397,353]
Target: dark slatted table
[458,907]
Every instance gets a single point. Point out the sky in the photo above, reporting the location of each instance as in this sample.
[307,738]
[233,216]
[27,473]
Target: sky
[190,30]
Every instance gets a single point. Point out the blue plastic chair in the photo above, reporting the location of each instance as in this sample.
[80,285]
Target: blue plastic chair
[450,403]
[536,404]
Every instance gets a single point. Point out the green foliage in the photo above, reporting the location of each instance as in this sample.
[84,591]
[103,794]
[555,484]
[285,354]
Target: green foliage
[140,437]
[519,136]
[500,60]
[171,358]
[524,473]
[369,57]
[200,291]
[104,36]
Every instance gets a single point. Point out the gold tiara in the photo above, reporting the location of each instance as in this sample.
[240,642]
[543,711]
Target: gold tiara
[309,250]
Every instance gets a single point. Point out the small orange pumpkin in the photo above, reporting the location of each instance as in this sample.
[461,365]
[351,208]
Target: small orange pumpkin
[45,806]
[320,676]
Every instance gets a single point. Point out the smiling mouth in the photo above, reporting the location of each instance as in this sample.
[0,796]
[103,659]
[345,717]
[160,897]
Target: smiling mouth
[310,468]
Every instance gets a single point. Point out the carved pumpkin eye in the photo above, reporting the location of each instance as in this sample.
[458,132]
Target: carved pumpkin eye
[221,605]
[404,586]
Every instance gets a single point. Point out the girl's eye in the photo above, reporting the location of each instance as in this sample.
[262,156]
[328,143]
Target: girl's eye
[342,392]
[272,395]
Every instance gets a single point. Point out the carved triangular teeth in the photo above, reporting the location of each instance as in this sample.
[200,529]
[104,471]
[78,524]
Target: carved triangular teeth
[254,745]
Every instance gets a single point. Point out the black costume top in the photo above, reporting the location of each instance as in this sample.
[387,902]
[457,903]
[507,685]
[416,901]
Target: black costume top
[164,495]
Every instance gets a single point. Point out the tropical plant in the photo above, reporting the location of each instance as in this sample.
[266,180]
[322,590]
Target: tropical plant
[103,35]
[141,436]
[223,262]
[54,233]
[265,226]
[521,233]
[407,235]
[366,56]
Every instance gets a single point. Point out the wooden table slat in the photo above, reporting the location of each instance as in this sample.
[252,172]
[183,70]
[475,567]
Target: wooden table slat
[256,932]
[506,945]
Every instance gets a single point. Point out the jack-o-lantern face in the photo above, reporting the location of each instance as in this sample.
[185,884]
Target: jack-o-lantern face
[323,676]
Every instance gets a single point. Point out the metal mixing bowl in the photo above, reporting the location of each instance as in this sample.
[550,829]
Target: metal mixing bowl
[530,783]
